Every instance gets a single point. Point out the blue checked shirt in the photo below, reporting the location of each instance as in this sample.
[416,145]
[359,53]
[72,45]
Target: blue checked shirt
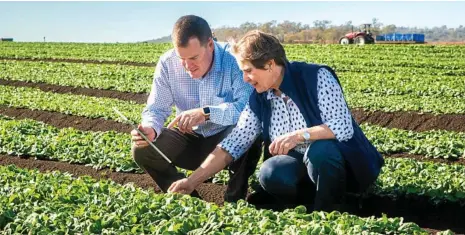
[222,89]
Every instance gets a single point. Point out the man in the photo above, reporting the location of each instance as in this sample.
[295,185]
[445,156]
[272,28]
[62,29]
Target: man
[202,79]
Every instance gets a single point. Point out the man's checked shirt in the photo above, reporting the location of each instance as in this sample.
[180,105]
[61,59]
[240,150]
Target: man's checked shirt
[222,89]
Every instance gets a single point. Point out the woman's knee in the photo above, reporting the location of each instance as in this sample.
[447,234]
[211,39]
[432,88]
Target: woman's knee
[266,173]
[321,152]
[273,179]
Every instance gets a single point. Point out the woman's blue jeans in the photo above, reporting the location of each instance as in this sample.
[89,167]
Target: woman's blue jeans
[323,163]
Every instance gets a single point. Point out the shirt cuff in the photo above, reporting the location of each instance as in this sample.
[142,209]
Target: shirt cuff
[155,127]
[217,113]
[342,131]
[230,147]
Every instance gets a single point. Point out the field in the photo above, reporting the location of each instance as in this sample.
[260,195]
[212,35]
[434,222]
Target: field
[55,115]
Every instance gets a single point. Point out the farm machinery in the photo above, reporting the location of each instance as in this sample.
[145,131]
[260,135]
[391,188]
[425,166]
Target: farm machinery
[365,36]
[361,37]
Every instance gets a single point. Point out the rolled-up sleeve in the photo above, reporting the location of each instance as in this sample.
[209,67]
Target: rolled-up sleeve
[228,113]
[155,113]
[242,136]
[334,110]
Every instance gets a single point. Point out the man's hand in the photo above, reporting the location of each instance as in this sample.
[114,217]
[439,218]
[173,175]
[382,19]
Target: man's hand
[188,119]
[183,186]
[284,143]
[137,139]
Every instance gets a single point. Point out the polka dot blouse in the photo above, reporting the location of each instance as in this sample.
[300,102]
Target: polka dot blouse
[286,117]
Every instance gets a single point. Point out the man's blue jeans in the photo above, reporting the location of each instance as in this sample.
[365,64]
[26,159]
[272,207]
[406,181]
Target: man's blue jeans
[323,163]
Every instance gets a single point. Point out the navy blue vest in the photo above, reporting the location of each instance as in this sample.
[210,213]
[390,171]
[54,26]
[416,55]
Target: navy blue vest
[300,84]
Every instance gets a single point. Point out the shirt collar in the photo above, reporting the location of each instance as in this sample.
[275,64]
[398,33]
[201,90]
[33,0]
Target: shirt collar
[270,95]
[217,61]
[218,54]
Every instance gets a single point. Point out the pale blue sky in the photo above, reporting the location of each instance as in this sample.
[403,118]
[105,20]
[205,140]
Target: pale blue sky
[138,21]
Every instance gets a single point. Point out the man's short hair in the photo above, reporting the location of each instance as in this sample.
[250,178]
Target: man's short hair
[190,26]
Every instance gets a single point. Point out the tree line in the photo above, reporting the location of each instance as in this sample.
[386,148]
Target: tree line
[323,31]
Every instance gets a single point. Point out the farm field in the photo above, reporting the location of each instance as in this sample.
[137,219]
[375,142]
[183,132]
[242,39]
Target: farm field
[55,114]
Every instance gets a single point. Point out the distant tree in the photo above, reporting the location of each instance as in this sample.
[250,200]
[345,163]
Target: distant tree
[268,27]
[389,29]
[322,24]
[376,26]
[247,26]
[322,31]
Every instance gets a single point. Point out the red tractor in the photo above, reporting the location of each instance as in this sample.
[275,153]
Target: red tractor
[360,38]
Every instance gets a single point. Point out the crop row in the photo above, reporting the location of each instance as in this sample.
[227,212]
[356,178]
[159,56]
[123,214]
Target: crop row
[129,52]
[408,102]
[108,77]
[98,107]
[149,53]
[77,105]
[29,137]
[340,63]
[56,203]
[112,150]
[93,107]
[138,79]
[403,84]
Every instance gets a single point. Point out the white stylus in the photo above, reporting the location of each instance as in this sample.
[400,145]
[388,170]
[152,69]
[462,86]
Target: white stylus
[142,134]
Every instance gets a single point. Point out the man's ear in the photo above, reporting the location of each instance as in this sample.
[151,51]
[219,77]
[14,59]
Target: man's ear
[210,44]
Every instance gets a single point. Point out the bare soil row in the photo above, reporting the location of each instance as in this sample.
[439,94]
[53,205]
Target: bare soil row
[401,120]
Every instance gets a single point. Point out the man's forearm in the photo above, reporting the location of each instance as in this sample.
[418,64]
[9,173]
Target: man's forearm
[154,118]
[227,113]
[215,162]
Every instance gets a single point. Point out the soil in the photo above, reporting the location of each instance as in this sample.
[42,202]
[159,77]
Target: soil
[417,210]
[422,158]
[208,191]
[412,121]
[61,120]
[138,98]
[401,120]
[446,43]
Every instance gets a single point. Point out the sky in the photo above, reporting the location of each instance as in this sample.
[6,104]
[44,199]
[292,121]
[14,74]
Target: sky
[139,21]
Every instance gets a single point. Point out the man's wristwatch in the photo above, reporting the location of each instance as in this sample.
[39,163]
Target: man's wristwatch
[306,136]
[206,113]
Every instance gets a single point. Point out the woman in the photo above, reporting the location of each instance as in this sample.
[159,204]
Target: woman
[309,132]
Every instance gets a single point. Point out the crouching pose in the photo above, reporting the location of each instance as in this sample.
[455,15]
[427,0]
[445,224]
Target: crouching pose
[202,79]
[300,111]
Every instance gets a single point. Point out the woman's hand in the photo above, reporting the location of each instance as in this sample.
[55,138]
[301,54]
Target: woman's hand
[183,186]
[284,143]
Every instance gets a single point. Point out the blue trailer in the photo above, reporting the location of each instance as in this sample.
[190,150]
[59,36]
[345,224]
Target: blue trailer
[400,38]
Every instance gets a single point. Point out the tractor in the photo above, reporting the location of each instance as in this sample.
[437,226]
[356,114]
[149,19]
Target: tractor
[360,38]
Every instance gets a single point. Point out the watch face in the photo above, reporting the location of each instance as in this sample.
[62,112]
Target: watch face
[306,136]
[206,110]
